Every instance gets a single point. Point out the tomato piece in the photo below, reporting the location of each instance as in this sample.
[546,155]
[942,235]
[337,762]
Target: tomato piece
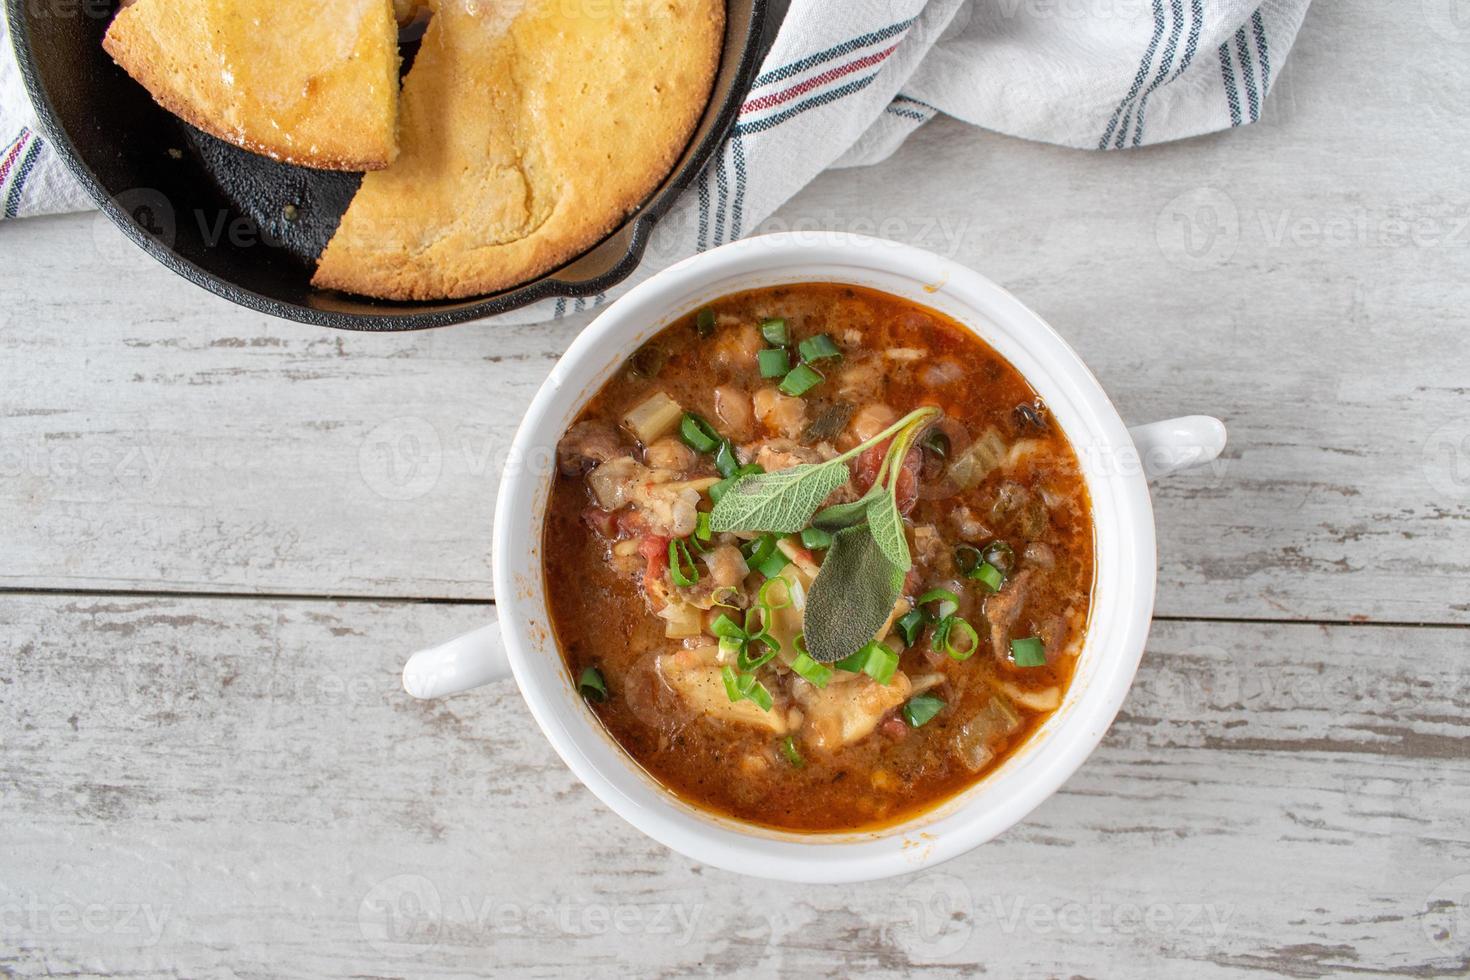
[603,523]
[865,467]
[631,524]
[867,464]
[655,550]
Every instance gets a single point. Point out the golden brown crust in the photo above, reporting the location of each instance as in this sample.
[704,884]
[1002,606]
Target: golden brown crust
[335,109]
[525,140]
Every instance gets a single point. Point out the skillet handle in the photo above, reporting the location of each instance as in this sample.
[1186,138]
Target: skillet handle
[1171,445]
[465,662]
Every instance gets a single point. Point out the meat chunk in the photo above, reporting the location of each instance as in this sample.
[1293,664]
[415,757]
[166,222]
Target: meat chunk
[968,525]
[733,409]
[782,454]
[860,377]
[870,420]
[695,676]
[780,413]
[669,453]
[1002,611]
[612,482]
[841,714]
[666,506]
[587,444]
[736,347]
[930,552]
[672,509]
[727,566]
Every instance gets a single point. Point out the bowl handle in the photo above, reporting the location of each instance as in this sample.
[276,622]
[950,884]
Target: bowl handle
[478,657]
[1178,444]
[468,661]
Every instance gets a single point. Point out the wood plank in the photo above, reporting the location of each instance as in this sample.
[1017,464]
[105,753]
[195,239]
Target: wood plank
[157,438]
[1274,800]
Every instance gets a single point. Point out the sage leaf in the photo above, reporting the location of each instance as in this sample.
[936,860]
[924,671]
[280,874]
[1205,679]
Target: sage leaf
[839,516]
[886,526]
[852,596]
[782,502]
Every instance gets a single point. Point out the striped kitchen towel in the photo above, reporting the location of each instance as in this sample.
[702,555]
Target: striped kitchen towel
[844,85]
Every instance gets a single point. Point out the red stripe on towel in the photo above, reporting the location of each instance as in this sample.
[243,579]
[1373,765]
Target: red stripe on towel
[816,81]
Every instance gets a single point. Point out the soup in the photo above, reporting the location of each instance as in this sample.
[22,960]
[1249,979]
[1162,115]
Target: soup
[818,558]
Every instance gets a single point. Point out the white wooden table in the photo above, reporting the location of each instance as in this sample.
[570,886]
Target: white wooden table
[220,533]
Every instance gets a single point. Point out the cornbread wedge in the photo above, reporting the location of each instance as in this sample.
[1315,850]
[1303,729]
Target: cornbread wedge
[528,130]
[278,77]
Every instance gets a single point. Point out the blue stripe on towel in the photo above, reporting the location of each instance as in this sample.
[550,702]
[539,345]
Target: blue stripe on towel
[1248,73]
[821,57]
[1196,27]
[1138,79]
[737,217]
[701,242]
[1263,50]
[722,184]
[816,102]
[1227,74]
[17,188]
[906,113]
[1176,9]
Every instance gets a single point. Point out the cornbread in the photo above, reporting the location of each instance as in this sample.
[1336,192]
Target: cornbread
[279,77]
[528,130]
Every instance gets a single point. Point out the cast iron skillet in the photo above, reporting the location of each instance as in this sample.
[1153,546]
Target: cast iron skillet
[249,228]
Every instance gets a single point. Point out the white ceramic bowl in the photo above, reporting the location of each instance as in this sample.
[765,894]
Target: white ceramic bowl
[1115,466]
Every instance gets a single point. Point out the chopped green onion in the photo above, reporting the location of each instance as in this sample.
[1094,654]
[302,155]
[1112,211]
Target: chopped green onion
[789,750]
[732,684]
[759,695]
[725,590]
[704,322]
[647,361]
[763,556]
[725,459]
[745,660]
[967,558]
[801,380]
[700,539]
[725,626]
[755,622]
[764,595]
[771,565]
[774,330]
[989,576]
[719,489]
[882,662]
[816,539]
[921,709]
[774,363]
[1030,652]
[679,559]
[946,630]
[949,603]
[751,690]
[591,685]
[818,675]
[732,646]
[937,443]
[760,549]
[910,625]
[1001,555]
[875,660]
[698,434]
[817,348]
